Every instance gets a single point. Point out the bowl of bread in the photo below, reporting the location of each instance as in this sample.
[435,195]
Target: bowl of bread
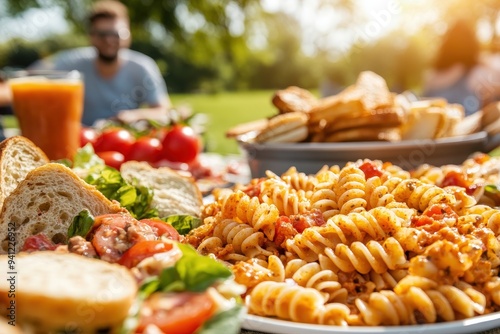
[364,121]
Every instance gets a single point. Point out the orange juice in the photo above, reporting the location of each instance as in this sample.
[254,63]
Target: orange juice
[49,112]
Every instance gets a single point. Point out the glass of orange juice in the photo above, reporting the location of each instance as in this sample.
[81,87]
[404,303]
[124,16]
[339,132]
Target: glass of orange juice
[48,106]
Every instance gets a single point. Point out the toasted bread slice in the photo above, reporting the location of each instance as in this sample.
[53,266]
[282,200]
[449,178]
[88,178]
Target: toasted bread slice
[370,92]
[293,99]
[18,156]
[46,201]
[385,117]
[285,128]
[364,134]
[63,292]
[174,194]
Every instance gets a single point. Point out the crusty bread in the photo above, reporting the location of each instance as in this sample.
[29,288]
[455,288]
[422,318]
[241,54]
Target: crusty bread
[18,156]
[289,127]
[174,194]
[385,117]
[370,92]
[293,99]
[364,134]
[46,201]
[62,291]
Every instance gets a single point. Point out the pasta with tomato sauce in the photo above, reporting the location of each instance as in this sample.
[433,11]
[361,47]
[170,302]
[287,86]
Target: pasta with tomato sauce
[365,244]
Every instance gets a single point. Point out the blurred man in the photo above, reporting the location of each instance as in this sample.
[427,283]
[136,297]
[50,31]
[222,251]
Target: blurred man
[117,79]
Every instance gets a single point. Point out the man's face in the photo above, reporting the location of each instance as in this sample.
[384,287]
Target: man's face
[108,35]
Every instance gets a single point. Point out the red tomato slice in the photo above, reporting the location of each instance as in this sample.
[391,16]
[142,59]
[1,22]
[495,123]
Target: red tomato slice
[179,313]
[145,149]
[38,242]
[162,228]
[142,250]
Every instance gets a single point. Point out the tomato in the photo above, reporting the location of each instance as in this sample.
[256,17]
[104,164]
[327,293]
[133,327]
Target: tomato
[162,228]
[176,313]
[142,250]
[145,149]
[112,158]
[87,135]
[38,242]
[370,170]
[116,139]
[181,144]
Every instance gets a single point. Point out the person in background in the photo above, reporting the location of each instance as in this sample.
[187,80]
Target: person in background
[117,80]
[461,73]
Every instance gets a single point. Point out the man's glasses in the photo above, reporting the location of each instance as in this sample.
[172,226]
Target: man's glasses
[114,34]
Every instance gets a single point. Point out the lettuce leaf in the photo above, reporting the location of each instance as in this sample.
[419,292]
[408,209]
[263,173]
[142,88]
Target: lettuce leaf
[192,272]
[227,322]
[183,223]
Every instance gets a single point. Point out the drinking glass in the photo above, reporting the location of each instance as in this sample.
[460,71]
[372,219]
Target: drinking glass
[49,106]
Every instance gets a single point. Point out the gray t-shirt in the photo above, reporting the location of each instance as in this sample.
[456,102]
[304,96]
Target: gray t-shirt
[137,82]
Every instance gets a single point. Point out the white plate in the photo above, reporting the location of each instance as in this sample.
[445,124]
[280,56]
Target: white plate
[472,325]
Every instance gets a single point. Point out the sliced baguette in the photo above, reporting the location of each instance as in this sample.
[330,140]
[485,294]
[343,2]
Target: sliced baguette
[63,292]
[46,201]
[18,156]
[174,194]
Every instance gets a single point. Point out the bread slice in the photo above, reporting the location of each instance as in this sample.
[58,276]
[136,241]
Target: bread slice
[367,133]
[46,201]
[370,92]
[293,99]
[174,194]
[18,156]
[66,292]
[285,128]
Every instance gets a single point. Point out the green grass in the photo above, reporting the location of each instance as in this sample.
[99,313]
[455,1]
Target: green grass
[226,110]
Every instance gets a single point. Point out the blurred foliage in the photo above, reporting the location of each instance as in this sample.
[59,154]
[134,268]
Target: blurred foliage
[225,45]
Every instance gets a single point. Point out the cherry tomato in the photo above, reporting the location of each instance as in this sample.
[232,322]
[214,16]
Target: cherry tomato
[87,135]
[117,139]
[142,250]
[181,144]
[112,158]
[162,228]
[38,242]
[370,170]
[145,149]
[179,313]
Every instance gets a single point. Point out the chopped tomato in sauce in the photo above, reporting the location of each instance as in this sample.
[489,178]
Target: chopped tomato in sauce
[370,170]
[454,178]
[284,230]
[38,242]
[436,212]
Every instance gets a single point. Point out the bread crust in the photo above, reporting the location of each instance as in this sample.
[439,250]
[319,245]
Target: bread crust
[281,124]
[370,92]
[18,156]
[293,99]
